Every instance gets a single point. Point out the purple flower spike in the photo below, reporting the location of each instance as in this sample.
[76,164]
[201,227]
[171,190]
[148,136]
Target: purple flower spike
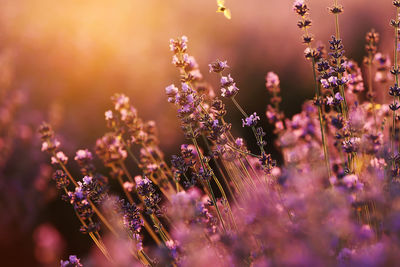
[251,120]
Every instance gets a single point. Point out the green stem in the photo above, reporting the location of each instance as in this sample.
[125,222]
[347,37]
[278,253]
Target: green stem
[214,201]
[370,89]
[321,123]
[220,171]
[396,36]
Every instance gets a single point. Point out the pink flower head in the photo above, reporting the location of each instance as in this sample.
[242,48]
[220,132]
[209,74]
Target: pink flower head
[83,154]
[87,180]
[272,80]
[218,66]
[239,142]
[121,101]
[171,90]
[128,186]
[59,158]
[251,120]
[108,115]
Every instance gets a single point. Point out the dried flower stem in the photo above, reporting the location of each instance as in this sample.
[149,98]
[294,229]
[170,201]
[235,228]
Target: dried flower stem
[321,122]
[214,201]
[232,139]
[370,88]
[160,228]
[320,111]
[341,87]
[396,67]
[229,170]
[226,202]
[95,209]
[220,171]
[148,261]
[128,148]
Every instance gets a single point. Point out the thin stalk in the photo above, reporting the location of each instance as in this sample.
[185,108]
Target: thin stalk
[396,66]
[208,184]
[103,250]
[341,88]
[214,200]
[370,89]
[320,112]
[147,258]
[161,232]
[130,152]
[321,123]
[258,138]
[226,200]
[232,176]
[251,181]
[230,136]
[237,173]
[278,189]
[127,173]
[396,39]
[246,153]
[102,218]
[220,171]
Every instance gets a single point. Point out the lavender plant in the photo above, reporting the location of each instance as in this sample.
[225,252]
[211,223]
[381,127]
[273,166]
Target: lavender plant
[218,202]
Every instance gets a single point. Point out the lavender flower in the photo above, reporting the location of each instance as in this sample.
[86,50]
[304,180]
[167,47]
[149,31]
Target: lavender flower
[121,102]
[300,7]
[110,149]
[218,108]
[108,115]
[60,157]
[83,155]
[218,66]
[272,80]
[61,179]
[351,145]
[251,120]
[146,189]
[383,64]
[84,158]
[95,187]
[73,261]
[171,91]
[131,219]
[178,45]
[228,86]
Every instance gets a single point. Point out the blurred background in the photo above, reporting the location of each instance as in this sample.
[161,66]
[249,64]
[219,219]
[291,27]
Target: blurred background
[61,61]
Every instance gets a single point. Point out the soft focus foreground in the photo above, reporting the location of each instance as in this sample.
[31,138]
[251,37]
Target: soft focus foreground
[260,179]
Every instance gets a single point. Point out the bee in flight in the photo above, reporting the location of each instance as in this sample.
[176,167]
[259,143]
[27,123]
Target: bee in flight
[222,9]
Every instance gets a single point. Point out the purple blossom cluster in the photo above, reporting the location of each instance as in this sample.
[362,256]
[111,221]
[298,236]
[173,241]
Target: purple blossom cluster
[72,261]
